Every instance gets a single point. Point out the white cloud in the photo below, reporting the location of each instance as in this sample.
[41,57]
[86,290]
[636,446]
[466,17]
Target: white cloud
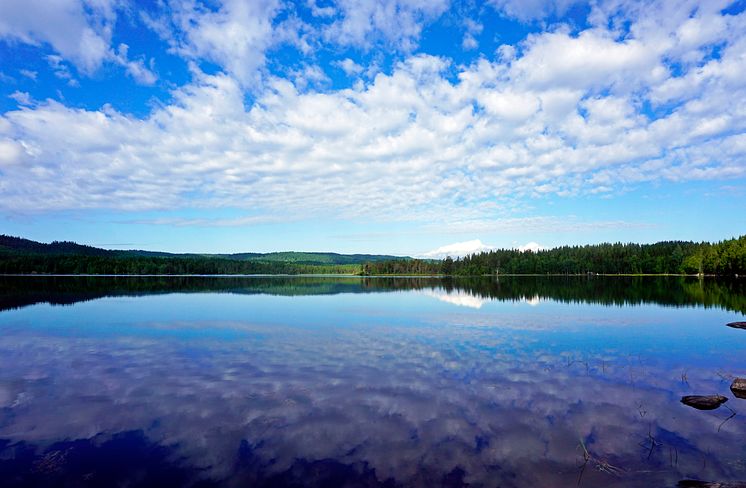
[469,42]
[529,10]
[531,246]
[79,30]
[535,224]
[236,35]
[559,114]
[593,60]
[350,67]
[317,11]
[207,222]
[458,249]
[23,98]
[473,29]
[11,153]
[136,69]
[308,76]
[461,249]
[61,69]
[29,74]
[395,22]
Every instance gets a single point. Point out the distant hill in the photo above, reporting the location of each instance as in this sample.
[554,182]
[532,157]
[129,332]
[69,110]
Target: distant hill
[17,245]
[314,257]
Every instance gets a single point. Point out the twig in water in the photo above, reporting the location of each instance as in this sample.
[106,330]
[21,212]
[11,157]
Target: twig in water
[653,442]
[600,464]
[724,376]
[733,414]
[641,410]
[582,470]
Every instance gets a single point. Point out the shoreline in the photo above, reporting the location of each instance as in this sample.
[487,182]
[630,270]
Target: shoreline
[349,275]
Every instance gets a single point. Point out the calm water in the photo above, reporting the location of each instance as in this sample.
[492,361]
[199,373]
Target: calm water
[368,382]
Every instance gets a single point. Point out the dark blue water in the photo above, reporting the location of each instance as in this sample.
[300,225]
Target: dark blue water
[348,383]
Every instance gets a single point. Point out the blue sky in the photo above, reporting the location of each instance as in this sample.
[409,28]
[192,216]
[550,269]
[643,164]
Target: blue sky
[385,126]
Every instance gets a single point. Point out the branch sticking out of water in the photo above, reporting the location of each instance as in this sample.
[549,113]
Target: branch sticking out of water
[600,464]
[733,414]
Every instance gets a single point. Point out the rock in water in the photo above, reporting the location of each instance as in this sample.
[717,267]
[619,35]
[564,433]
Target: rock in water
[739,387]
[737,325]
[711,484]
[704,402]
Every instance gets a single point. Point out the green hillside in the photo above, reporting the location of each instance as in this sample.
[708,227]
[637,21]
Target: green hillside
[319,258]
[24,255]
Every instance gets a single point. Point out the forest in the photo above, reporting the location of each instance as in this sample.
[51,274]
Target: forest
[24,256]
[137,265]
[725,258]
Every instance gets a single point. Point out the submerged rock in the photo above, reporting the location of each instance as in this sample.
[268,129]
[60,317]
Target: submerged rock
[738,387]
[737,325]
[711,484]
[704,402]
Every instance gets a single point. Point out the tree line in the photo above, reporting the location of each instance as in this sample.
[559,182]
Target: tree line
[725,258]
[107,265]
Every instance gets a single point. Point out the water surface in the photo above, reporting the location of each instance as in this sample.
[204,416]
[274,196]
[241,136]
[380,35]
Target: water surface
[315,381]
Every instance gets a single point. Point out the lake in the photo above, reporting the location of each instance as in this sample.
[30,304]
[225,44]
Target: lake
[365,382]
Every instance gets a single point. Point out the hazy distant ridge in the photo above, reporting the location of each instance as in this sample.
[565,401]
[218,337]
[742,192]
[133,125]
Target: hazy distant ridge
[18,245]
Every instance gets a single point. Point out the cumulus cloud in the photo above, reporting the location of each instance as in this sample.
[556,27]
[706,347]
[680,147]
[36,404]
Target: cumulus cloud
[136,69]
[61,69]
[350,67]
[11,152]
[235,35]
[318,11]
[309,75]
[398,23]
[78,30]
[473,29]
[238,35]
[530,10]
[461,249]
[458,249]
[22,98]
[531,246]
[560,114]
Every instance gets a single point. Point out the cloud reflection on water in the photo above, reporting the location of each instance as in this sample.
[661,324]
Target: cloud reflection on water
[414,403]
[460,298]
